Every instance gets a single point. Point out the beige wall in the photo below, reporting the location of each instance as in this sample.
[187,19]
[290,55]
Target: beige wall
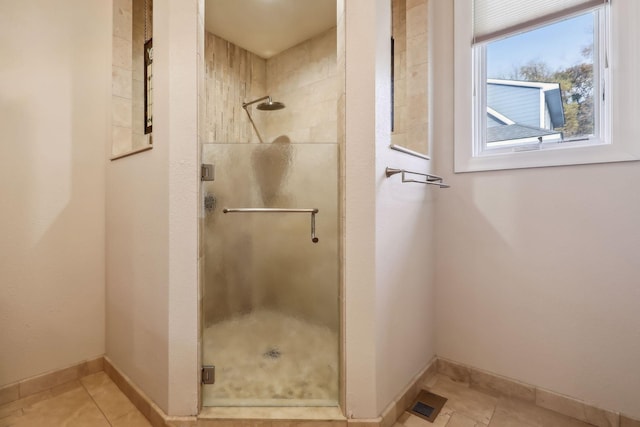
[389,246]
[54,116]
[152,246]
[537,272]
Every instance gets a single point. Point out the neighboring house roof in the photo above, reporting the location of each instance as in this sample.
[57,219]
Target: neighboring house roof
[519,111]
[519,100]
[517,132]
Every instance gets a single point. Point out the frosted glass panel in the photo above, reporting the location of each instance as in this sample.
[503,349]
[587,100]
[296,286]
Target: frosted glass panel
[270,297]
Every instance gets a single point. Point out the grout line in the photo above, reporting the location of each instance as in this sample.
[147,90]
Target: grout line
[493,413]
[96,403]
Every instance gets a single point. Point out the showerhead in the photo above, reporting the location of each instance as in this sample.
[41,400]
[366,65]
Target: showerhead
[269,105]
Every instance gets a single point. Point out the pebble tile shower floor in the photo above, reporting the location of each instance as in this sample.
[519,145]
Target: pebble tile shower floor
[267,358]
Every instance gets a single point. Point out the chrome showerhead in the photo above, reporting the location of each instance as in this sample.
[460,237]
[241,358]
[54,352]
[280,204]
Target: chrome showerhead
[269,105]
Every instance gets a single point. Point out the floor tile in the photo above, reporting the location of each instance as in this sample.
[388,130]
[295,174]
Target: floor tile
[11,419]
[111,401]
[461,399]
[514,413]
[70,409]
[459,420]
[9,408]
[410,420]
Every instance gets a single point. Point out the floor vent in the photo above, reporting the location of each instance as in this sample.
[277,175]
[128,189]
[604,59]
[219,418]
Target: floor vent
[427,405]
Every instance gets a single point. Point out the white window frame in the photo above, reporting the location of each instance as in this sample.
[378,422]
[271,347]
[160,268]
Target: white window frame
[619,123]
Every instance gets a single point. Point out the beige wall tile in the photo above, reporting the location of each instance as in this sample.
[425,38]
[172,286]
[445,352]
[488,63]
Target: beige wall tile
[125,5]
[561,404]
[131,419]
[49,380]
[121,112]
[92,366]
[183,422]
[628,421]
[122,141]
[417,50]
[494,384]
[122,19]
[454,371]
[128,389]
[417,18]
[9,393]
[600,417]
[389,416]
[122,53]
[576,409]
[414,3]
[461,398]
[121,82]
[516,413]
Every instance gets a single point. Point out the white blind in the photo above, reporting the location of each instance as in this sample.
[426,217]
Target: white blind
[495,18]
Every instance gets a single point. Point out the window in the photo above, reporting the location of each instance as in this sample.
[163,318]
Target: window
[537,92]
[533,83]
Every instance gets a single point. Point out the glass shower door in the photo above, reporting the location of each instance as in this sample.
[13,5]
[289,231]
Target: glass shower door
[270,294]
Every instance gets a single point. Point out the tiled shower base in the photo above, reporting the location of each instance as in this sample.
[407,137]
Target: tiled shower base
[267,358]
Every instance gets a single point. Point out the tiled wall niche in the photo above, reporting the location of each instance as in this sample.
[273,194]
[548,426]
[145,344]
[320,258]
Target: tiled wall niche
[127,90]
[411,74]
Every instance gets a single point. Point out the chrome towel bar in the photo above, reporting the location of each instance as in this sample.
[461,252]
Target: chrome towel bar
[429,179]
[312,211]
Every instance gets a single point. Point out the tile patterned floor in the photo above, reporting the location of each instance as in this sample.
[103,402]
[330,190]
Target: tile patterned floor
[93,401]
[467,407]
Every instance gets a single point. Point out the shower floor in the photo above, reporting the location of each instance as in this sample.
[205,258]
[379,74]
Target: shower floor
[271,359]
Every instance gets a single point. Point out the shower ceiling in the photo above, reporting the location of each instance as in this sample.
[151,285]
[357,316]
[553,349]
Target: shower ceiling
[267,27]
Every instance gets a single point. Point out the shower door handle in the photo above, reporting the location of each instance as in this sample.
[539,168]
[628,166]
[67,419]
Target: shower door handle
[312,211]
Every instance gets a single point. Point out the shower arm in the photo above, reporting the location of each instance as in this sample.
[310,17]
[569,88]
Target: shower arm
[246,104]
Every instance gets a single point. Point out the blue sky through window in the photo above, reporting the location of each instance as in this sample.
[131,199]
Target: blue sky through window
[559,45]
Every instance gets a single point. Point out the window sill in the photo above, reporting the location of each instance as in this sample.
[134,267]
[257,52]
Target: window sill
[604,153]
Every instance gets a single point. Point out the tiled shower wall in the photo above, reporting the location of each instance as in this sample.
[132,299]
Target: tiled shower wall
[303,77]
[233,76]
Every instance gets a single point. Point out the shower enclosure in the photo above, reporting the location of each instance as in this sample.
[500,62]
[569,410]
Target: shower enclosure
[270,296]
[269,281]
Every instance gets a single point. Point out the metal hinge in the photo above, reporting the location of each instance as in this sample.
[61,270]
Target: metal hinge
[207,172]
[208,374]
